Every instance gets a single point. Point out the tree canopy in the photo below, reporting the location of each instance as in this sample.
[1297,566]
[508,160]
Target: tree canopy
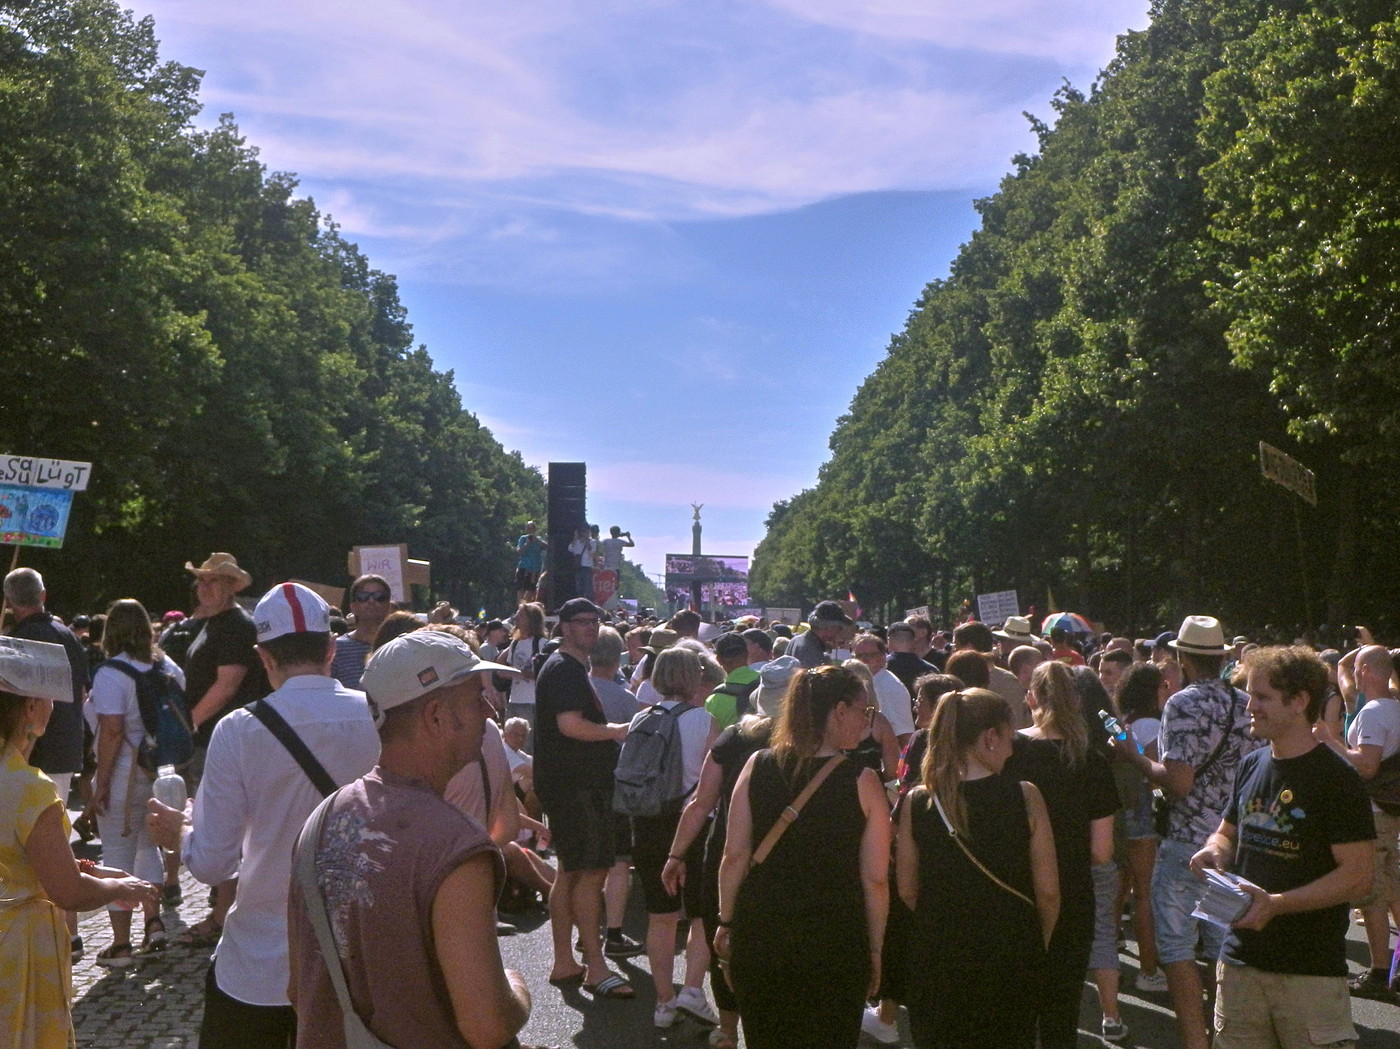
[238,373]
[1200,256]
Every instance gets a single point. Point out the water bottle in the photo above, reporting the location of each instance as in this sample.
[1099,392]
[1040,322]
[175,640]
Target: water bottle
[1113,726]
[169,789]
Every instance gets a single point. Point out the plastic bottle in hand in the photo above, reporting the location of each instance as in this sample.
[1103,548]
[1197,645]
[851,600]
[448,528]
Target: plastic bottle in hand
[169,789]
[1115,728]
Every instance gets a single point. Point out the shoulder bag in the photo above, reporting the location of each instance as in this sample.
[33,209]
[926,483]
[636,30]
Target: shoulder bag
[789,815]
[957,838]
[357,1035]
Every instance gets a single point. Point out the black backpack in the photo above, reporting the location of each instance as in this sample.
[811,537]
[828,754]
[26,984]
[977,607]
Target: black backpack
[169,739]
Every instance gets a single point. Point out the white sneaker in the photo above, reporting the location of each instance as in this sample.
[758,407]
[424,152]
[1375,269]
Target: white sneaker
[691,1001]
[871,1024]
[665,1014]
[1153,983]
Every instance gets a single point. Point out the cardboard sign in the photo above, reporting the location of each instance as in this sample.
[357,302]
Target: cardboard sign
[1283,469]
[996,609]
[386,561]
[790,616]
[922,610]
[44,473]
[35,668]
[34,516]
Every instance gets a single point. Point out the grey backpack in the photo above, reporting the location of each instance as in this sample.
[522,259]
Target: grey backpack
[651,768]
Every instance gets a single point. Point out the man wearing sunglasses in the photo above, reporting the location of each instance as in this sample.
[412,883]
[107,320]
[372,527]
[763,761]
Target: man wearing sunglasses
[370,603]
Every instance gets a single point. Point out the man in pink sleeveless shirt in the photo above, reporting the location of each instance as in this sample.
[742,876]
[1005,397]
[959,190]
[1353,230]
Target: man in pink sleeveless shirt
[410,882]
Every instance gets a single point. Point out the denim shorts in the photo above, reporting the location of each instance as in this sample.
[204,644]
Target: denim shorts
[1137,817]
[1175,893]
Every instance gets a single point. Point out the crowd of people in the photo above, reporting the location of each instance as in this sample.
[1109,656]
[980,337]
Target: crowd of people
[831,824]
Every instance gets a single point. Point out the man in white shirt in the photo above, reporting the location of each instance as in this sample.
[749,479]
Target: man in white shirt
[251,804]
[890,693]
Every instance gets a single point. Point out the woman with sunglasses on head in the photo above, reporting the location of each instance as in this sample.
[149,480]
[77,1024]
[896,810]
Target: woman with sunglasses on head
[975,862]
[802,908]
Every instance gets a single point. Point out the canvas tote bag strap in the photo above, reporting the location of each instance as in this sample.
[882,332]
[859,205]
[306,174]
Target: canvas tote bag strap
[789,815]
[357,1035]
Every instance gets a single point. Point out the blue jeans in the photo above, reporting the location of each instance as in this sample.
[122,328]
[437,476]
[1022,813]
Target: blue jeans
[1175,893]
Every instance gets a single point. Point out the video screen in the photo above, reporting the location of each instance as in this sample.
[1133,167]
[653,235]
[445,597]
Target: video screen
[724,581]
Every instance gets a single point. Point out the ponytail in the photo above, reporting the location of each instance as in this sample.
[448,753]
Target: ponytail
[958,723]
[1058,709]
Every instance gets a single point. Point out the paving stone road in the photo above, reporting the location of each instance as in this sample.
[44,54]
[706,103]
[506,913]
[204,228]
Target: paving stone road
[157,1004]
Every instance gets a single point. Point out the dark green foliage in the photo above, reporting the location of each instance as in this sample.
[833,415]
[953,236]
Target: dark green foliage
[1201,255]
[239,375]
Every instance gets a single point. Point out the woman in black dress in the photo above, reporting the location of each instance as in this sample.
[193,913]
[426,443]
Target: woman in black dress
[1077,784]
[807,922]
[986,900]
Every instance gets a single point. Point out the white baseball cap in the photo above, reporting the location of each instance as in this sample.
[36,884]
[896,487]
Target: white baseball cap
[418,662]
[290,608]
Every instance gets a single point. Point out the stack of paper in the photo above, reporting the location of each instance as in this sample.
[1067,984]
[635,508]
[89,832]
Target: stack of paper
[35,668]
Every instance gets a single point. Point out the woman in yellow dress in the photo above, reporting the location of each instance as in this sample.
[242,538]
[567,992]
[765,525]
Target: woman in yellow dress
[39,880]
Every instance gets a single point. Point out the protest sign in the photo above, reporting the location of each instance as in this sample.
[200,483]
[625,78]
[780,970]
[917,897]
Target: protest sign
[44,473]
[996,608]
[34,516]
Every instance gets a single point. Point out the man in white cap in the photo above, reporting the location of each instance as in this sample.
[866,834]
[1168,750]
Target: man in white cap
[409,881]
[269,765]
[1205,732]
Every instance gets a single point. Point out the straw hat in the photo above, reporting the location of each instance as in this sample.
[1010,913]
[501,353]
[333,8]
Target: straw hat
[221,565]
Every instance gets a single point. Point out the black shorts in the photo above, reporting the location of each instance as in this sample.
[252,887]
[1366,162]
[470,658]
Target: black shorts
[581,822]
[526,579]
[622,836]
[651,846]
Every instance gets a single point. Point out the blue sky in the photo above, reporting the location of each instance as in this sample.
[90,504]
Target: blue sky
[668,239]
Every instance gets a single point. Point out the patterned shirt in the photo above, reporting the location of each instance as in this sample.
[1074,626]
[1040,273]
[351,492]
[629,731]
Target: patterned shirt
[1192,724]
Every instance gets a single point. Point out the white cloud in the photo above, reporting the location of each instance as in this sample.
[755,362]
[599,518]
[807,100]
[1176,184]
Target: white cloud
[1071,30]
[639,110]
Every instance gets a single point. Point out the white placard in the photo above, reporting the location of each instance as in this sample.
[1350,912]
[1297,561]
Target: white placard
[996,609]
[386,561]
[35,668]
[44,473]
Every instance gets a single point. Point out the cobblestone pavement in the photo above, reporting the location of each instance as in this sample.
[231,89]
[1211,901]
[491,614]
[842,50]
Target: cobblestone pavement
[157,1003]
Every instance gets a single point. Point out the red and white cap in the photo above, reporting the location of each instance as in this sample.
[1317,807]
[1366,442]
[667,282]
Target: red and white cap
[290,608]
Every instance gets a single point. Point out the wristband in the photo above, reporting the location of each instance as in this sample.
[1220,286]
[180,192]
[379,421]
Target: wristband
[721,923]
[678,859]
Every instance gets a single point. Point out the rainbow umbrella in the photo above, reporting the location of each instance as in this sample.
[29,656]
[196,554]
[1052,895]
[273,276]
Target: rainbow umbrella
[1069,622]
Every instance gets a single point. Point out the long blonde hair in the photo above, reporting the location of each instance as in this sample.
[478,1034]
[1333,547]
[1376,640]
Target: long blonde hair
[958,723]
[1058,710]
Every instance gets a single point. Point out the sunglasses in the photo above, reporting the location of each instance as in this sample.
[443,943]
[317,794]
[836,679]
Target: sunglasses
[377,596]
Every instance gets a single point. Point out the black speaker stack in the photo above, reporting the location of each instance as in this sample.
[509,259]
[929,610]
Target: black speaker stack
[568,492]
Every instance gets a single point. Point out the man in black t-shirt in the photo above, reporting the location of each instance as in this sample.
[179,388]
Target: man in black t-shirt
[1298,830]
[576,752]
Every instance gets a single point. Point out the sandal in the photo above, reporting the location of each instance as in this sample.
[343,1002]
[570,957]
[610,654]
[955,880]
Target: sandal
[117,956]
[203,933]
[155,938]
[612,986]
[569,981]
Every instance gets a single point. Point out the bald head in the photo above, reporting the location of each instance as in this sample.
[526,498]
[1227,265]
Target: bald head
[1374,667]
